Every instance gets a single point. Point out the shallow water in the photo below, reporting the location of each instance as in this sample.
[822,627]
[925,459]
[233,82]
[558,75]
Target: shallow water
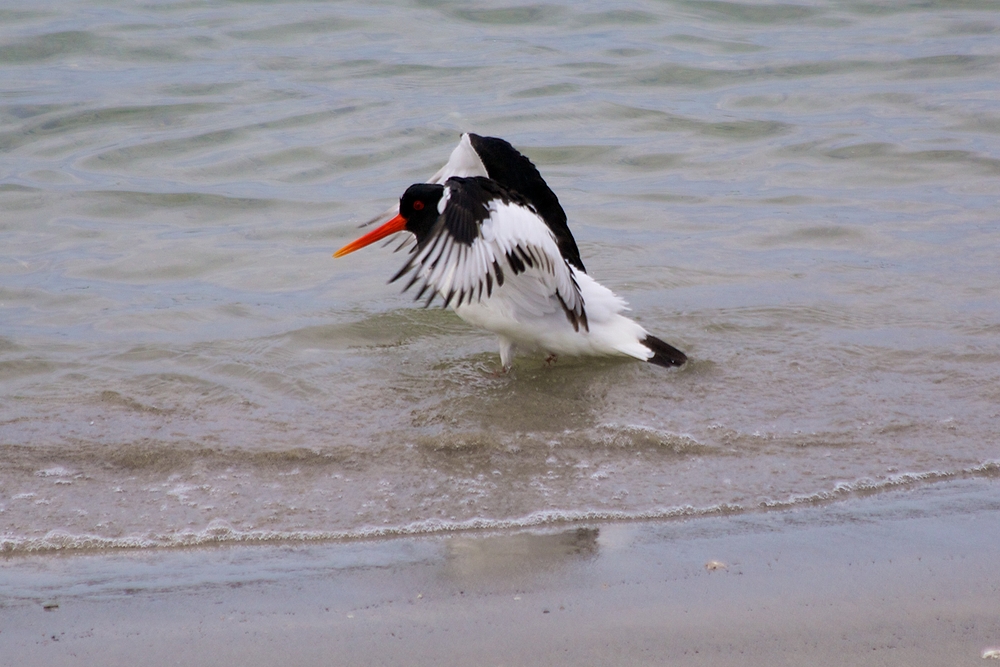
[800,196]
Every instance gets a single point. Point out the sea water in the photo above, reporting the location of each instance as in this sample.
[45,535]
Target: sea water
[801,196]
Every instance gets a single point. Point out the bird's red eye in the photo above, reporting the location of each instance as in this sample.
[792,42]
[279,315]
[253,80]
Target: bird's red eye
[418,205]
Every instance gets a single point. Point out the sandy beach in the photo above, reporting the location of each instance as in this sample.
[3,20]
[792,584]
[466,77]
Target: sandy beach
[905,578]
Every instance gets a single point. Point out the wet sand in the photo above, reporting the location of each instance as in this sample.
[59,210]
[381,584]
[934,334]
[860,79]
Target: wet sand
[904,578]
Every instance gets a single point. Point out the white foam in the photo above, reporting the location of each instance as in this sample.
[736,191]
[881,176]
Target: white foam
[868,486]
[630,434]
[219,531]
[55,471]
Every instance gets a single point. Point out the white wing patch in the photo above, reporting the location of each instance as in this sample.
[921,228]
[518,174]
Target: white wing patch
[513,251]
[463,161]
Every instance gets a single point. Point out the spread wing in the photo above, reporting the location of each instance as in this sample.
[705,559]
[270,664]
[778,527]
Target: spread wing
[487,239]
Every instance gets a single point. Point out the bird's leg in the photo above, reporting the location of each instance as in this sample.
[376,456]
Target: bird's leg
[507,350]
[551,358]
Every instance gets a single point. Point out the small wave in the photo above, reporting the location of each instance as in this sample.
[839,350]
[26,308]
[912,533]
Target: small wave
[635,436]
[867,486]
[55,471]
[220,531]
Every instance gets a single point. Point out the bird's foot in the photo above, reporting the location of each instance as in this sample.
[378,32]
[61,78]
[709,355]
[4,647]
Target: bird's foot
[551,359]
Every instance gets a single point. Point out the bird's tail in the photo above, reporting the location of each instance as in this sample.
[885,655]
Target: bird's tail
[663,354]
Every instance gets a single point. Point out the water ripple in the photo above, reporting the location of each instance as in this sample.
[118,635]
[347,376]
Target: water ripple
[801,196]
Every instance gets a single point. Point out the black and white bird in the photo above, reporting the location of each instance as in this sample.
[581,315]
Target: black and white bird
[493,243]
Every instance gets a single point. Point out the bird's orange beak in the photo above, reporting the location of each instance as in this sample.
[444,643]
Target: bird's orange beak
[397,224]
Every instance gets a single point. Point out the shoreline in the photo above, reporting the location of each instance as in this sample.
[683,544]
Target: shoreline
[905,577]
[221,533]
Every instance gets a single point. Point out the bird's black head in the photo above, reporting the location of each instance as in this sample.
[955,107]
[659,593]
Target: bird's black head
[419,206]
[418,210]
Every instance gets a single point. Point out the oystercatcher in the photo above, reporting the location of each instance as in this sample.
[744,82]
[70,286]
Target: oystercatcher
[495,247]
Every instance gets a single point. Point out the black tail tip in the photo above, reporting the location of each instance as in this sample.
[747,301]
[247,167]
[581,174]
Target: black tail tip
[663,354]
